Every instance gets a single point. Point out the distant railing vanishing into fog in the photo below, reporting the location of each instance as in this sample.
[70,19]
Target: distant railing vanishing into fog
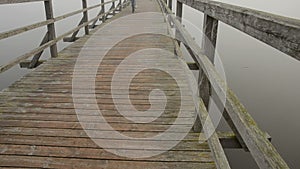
[50,39]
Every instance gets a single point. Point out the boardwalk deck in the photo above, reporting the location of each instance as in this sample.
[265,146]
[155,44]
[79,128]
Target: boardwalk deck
[39,126]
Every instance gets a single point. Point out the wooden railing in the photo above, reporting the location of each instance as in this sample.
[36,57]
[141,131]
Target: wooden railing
[50,39]
[279,32]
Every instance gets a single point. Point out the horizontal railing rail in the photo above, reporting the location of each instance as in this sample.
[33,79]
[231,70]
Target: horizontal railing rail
[247,132]
[50,39]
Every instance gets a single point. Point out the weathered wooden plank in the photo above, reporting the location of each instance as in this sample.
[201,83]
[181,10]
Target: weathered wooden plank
[77,125]
[91,153]
[54,162]
[190,142]
[107,100]
[68,90]
[114,120]
[59,96]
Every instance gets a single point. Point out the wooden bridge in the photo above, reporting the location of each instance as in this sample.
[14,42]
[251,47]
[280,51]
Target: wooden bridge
[48,117]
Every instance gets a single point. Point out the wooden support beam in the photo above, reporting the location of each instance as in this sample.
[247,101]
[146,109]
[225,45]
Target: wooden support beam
[35,60]
[73,38]
[70,39]
[229,139]
[100,13]
[26,63]
[93,26]
[193,66]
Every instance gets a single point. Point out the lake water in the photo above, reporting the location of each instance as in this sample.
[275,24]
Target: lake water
[266,80]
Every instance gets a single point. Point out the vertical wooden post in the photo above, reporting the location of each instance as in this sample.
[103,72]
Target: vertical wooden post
[85,17]
[103,11]
[179,10]
[120,2]
[113,7]
[210,30]
[51,27]
[179,16]
[170,4]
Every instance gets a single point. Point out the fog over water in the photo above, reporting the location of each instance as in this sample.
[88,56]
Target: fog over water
[265,80]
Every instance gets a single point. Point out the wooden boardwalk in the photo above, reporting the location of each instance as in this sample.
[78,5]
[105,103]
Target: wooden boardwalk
[118,97]
[39,126]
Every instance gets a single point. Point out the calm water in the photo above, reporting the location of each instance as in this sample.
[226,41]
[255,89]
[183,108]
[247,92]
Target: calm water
[265,80]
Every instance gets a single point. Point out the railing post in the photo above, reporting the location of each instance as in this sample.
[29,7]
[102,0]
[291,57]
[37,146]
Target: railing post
[113,7]
[103,11]
[179,17]
[170,4]
[85,17]
[210,30]
[179,10]
[51,27]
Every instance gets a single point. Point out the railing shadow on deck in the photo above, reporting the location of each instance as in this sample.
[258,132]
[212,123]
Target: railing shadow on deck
[50,40]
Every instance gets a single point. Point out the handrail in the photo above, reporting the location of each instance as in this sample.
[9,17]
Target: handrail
[18,1]
[279,32]
[51,41]
[259,146]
